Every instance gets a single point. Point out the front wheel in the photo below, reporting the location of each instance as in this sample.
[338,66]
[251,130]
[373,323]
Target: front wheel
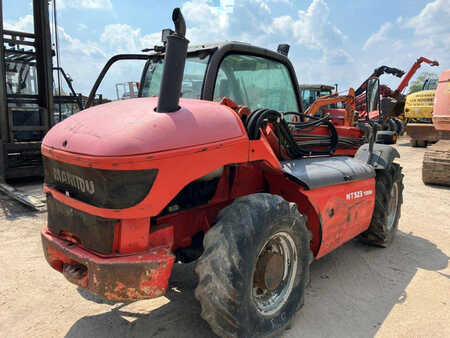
[255,267]
[388,202]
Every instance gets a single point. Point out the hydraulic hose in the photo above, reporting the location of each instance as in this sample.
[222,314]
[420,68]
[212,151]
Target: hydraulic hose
[284,134]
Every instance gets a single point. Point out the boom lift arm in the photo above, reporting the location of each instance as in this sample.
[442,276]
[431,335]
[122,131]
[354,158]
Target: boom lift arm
[377,73]
[405,81]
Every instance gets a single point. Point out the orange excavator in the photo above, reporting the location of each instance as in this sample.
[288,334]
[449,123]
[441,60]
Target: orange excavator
[349,116]
[348,100]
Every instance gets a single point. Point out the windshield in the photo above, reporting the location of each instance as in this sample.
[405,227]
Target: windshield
[430,84]
[194,72]
[256,82]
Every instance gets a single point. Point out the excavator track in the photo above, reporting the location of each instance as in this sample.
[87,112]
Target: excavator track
[436,164]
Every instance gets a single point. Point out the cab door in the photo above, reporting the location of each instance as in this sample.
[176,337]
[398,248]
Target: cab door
[256,82]
[120,69]
[252,76]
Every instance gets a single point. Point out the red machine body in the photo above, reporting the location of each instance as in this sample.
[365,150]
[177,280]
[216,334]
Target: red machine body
[142,233]
[252,187]
[441,112]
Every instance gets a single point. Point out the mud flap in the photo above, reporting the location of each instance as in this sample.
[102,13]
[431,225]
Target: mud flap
[382,157]
[320,172]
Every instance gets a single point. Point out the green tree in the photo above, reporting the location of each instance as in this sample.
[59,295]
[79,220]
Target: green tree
[417,84]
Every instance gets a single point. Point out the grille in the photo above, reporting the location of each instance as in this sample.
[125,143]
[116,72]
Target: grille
[93,232]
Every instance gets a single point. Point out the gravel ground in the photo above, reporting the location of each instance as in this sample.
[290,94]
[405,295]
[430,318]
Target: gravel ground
[356,291]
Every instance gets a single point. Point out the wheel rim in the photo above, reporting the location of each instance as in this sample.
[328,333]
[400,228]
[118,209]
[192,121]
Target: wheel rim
[392,207]
[275,272]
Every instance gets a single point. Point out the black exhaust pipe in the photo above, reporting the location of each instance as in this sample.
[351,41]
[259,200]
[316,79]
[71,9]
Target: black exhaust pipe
[174,61]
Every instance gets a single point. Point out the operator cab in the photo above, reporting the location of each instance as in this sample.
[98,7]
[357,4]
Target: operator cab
[430,84]
[248,75]
[311,92]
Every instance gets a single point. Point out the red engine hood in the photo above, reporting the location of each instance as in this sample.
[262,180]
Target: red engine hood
[132,127]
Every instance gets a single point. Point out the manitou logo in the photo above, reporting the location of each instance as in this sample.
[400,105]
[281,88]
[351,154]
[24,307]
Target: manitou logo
[77,182]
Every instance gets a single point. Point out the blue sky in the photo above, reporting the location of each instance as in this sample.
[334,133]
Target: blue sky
[331,41]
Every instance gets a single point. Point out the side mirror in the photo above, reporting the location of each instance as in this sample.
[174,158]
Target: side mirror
[283,49]
[373,94]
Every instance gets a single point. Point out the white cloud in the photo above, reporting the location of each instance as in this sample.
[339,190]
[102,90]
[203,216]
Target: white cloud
[122,38]
[337,57]
[313,29]
[84,4]
[23,24]
[433,19]
[82,26]
[425,34]
[432,30]
[320,50]
[74,45]
[379,36]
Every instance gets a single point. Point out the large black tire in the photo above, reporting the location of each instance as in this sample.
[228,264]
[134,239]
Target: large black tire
[388,202]
[390,125]
[226,270]
[400,126]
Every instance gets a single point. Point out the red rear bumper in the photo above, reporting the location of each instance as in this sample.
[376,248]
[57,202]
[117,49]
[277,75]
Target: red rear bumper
[119,278]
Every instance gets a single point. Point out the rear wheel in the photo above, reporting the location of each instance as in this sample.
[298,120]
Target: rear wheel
[255,267]
[390,125]
[388,201]
[400,126]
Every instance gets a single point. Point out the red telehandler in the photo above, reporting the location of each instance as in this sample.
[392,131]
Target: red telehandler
[134,185]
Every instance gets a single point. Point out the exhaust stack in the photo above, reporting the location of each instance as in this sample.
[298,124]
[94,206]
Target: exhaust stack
[174,61]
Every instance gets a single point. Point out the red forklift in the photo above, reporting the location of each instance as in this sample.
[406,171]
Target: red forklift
[134,185]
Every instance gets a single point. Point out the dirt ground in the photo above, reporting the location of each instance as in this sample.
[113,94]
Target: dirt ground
[356,291]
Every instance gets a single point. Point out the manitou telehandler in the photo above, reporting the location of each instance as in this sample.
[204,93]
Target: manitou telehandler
[134,185]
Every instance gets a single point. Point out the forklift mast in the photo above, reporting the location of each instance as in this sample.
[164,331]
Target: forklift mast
[30,101]
[26,98]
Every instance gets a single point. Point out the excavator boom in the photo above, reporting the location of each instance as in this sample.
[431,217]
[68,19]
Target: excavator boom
[377,73]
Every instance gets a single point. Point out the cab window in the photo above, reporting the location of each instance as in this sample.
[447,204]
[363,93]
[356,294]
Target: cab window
[308,98]
[194,72]
[430,84]
[256,82]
